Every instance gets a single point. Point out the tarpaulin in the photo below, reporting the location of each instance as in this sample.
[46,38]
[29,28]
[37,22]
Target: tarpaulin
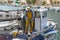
[5,37]
[39,37]
[23,36]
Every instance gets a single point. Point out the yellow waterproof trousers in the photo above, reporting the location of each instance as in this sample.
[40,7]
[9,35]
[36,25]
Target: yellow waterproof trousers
[29,24]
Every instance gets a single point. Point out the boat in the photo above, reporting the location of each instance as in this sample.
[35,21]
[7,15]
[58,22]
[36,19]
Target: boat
[58,9]
[43,28]
[8,16]
[52,8]
[6,25]
[42,25]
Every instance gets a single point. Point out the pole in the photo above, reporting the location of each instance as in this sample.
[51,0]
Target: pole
[17,21]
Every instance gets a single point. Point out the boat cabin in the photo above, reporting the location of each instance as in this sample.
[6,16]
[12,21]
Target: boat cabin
[39,18]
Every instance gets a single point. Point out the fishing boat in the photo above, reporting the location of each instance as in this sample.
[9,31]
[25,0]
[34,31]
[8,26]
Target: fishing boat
[8,16]
[58,9]
[43,29]
[52,8]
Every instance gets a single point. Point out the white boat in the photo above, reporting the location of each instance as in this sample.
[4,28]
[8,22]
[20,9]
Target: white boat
[58,9]
[8,25]
[52,8]
[40,18]
[8,15]
[42,24]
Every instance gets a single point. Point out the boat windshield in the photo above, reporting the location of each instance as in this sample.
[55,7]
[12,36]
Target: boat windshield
[44,14]
[37,14]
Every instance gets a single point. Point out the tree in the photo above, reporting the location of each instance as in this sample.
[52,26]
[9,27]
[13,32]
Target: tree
[33,1]
[30,1]
[44,3]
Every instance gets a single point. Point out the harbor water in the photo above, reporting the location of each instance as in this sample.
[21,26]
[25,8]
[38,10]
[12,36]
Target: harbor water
[56,18]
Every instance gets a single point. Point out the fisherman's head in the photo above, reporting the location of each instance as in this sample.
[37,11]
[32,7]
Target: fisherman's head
[28,8]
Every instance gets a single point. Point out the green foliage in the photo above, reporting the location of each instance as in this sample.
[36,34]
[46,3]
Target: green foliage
[44,3]
[33,1]
[17,2]
[30,1]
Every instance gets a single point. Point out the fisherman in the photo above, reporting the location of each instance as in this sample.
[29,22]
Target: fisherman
[29,20]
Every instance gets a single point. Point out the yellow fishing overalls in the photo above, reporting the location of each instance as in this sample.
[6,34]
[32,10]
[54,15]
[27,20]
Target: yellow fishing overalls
[29,21]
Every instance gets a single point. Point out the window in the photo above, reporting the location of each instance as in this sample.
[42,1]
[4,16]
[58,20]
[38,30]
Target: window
[7,15]
[37,14]
[44,14]
[0,15]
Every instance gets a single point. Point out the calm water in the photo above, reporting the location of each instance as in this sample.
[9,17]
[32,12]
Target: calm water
[56,17]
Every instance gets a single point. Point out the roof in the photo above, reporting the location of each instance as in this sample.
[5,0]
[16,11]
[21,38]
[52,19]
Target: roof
[7,8]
